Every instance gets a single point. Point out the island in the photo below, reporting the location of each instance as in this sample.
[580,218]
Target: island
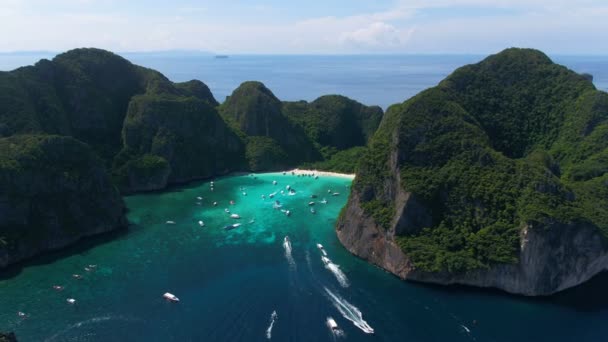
[497,177]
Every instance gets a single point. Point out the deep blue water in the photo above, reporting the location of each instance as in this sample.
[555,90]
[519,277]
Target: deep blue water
[370,79]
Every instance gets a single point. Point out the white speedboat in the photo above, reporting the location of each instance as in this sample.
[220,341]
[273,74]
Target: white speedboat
[287,212]
[215,204]
[235,216]
[288,187]
[324,201]
[57,287]
[227,210]
[311,203]
[170,222]
[336,194]
[170,297]
[319,246]
[274,182]
[71,301]
[201,223]
[313,211]
[331,324]
[244,193]
[199,198]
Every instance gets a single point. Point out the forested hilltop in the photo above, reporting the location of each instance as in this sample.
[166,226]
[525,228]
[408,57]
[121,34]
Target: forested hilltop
[496,177]
[90,112]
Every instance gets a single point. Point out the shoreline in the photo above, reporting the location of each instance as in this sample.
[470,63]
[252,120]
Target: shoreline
[321,173]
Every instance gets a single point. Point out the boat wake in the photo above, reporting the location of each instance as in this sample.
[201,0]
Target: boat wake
[287,247]
[349,311]
[335,269]
[89,322]
[340,276]
[273,318]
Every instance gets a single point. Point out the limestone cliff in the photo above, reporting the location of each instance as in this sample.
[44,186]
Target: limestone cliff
[53,192]
[495,178]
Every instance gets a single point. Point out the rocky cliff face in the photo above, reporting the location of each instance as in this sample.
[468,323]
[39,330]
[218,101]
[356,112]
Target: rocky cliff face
[467,183]
[53,192]
[551,258]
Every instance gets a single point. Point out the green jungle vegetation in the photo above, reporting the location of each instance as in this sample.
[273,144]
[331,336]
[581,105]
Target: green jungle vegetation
[509,142]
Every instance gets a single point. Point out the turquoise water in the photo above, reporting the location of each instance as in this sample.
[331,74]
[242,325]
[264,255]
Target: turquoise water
[230,282]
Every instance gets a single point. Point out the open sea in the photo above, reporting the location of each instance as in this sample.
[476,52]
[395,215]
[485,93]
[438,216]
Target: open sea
[380,80]
[230,282]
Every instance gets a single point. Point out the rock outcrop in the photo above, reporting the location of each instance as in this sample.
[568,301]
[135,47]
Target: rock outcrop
[494,178]
[53,192]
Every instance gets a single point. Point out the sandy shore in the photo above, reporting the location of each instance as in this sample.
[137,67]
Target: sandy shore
[321,173]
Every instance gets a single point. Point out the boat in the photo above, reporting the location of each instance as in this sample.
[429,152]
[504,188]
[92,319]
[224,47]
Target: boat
[324,201]
[313,196]
[274,182]
[57,287]
[287,212]
[319,246]
[171,297]
[215,204]
[231,202]
[87,269]
[329,191]
[282,192]
[232,226]
[244,193]
[227,210]
[201,223]
[235,216]
[331,324]
[252,221]
[312,210]
[316,177]
[288,187]
[276,205]
[76,276]
[21,314]
[325,260]
[170,222]
[336,194]
[71,301]
[92,266]
[311,203]
[199,198]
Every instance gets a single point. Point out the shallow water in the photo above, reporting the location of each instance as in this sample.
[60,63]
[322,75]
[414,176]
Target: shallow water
[230,282]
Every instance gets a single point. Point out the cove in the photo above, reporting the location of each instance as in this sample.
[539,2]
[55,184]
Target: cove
[230,281]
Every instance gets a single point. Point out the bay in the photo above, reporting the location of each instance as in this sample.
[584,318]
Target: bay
[230,281]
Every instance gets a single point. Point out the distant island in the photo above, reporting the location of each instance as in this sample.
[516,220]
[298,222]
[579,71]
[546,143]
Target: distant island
[79,131]
[221,56]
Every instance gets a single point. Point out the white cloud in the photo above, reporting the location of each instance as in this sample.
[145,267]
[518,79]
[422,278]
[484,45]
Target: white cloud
[378,35]
[555,26]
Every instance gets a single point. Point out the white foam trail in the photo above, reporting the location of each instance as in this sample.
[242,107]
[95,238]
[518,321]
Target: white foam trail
[350,312]
[287,247]
[335,269]
[340,276]
[87,322]
[273,317]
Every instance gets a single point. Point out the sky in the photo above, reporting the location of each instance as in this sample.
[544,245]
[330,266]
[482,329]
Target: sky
[306,27]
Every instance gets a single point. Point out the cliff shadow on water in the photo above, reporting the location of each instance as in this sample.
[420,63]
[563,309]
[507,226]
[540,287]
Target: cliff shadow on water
[587,297]
[82,247]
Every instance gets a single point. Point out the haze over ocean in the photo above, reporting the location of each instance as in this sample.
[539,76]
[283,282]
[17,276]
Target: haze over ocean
[371,79]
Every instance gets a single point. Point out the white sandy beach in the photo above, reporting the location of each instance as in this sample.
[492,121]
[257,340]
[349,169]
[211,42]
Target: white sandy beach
[321,173]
